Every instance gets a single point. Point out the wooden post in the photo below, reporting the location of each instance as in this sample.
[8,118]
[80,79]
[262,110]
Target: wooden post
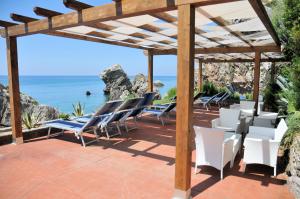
[273,71]
[200,75]
[14,91]
[256,79]
[185,88]
[150,71]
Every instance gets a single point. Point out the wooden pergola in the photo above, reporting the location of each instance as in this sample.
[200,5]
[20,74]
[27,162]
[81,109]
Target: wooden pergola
[204,30]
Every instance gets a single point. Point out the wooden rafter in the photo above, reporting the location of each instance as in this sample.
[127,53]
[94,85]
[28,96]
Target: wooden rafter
[102,26]
[241,60]
[24,19]
[263,15]
[221,23]
[45,12]
[6,24]
[102,13]
[170,19]
[92,39]
[21,18]
[76,5]
[222,50]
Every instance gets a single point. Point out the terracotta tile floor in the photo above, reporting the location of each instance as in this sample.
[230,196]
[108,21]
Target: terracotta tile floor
[138,165]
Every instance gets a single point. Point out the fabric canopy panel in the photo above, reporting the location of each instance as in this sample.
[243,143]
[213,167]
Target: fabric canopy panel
[233,24]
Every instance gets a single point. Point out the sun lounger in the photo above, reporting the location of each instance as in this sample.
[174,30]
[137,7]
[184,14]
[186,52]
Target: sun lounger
[205,101]
[135,112]
[108,108]
[126,107]
[77,128]
[160,111]
[198,95]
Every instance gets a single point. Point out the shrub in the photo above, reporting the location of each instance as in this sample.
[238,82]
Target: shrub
[168,98]
[235,96]
[294,129]
[64,116]
[171,93]
[209,88]
[249,96]
[30,120]
[129,96]
[296,81]
[271,96]
[78,110]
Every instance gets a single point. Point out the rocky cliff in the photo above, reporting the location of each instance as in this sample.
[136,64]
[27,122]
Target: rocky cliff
[294,167]
[28,104]
[240,75]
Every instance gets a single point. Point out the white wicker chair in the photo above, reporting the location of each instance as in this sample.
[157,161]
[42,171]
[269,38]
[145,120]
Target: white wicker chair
[261,145]
[215,147]
[247,112]
[265,119]
[229,120]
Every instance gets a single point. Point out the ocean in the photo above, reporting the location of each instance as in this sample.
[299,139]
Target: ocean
[63,91]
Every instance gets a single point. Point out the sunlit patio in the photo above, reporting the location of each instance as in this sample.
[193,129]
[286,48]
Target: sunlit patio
[139,164]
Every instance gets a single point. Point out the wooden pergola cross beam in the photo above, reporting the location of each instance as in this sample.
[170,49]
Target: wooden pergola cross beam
[45,12]
[21,18]
[76,5]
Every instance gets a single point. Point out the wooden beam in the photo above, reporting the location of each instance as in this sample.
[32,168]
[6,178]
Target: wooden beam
[14,90]
[103,26]
[21,18]
[256,80]
[185,92]
[76,5]
[170,19]
[6,24]
[150,71]
[112,11]
[92,39]
[45,12]
[221,23]
[200,75]
[263,15]
[74,36]
[223,50]
[243,60]
[273,71]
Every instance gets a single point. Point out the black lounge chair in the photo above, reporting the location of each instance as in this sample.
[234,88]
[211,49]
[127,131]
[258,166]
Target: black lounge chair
[160,111]
[135,112]
[205,101]
[77,128]
[107,109]
[115,118]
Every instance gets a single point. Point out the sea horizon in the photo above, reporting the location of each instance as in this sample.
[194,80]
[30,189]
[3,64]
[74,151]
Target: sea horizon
[61,91]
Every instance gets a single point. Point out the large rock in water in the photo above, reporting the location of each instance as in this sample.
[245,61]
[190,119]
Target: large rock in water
[28,105]
[139,84]
[116,81]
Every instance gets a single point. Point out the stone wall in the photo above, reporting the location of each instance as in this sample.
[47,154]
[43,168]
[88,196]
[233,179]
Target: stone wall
[294,168]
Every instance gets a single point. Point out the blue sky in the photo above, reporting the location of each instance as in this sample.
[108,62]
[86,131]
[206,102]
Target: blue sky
[49,55]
